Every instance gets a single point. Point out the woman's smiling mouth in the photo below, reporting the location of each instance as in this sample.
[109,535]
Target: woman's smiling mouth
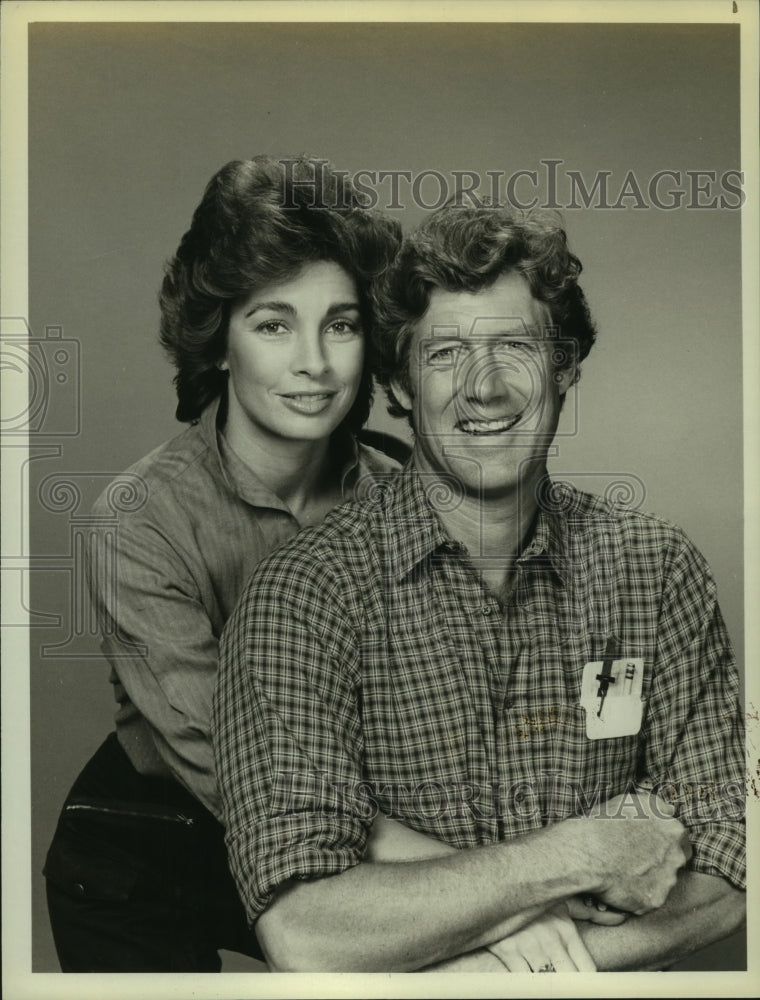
[308,403]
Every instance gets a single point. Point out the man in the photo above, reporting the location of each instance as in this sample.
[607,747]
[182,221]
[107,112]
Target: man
[507,666]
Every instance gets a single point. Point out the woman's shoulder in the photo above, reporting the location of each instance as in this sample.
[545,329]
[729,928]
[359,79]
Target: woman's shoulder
[175,471]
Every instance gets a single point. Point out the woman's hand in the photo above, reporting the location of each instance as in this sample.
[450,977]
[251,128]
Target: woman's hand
[595,911]
[390,840]
[550,943]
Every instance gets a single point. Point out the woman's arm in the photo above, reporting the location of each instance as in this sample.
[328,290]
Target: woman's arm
[160,642]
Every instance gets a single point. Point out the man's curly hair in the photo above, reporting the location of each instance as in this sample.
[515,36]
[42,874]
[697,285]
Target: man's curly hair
[463,248]
[259,222]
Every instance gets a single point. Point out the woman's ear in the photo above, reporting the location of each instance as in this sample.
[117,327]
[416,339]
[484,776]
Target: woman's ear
[223,365]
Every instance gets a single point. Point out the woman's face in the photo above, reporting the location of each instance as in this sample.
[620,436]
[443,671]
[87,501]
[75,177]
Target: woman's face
[295,352]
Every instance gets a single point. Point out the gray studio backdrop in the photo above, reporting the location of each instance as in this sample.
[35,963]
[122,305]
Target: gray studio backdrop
[128,121]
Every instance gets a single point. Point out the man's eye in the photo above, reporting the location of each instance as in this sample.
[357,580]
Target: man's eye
[442,355]
[519,345]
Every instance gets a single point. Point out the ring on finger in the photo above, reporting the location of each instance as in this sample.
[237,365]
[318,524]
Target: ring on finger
[547,967]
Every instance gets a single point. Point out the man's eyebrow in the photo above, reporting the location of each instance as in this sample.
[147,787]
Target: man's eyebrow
[508,333]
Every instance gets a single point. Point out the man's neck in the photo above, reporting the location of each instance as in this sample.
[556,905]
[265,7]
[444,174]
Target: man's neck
[494,530]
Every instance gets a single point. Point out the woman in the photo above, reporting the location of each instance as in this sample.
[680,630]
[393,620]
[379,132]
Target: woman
[263,312]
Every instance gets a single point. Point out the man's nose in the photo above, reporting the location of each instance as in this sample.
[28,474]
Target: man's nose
[490,376]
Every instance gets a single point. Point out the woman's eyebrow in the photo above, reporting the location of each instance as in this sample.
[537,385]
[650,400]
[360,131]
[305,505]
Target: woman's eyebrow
[339,307]
[289,309]
[284,307]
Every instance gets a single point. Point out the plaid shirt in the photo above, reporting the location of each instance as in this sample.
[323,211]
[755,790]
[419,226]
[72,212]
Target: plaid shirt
[367,666]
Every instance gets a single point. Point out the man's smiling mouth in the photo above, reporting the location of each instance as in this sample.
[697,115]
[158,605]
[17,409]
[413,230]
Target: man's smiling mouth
[481,428]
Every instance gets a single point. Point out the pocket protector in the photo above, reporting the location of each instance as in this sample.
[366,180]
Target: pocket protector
[611,697]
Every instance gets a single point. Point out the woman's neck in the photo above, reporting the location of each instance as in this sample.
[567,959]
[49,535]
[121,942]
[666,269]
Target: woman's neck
[298,472]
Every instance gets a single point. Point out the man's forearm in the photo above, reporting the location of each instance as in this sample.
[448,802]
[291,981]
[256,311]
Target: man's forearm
[700,909]
[405,916]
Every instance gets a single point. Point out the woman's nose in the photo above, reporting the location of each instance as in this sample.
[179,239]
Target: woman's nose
[310,357]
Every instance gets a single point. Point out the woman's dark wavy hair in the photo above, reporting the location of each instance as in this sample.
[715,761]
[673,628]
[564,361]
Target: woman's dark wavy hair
[260,221]
[466,248]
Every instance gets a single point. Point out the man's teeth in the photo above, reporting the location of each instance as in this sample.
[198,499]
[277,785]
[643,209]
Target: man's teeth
[488,426]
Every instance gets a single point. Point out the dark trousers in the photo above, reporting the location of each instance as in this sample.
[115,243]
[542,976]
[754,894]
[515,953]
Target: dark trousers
[137,876]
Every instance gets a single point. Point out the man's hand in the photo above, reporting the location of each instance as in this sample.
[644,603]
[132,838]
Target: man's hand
[637,846]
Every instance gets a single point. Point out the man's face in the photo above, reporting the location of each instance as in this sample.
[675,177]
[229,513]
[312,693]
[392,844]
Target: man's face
[485,389]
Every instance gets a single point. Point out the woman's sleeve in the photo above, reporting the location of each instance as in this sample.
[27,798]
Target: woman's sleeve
[160,642]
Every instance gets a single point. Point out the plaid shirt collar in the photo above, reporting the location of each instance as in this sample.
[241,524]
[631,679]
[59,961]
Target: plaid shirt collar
[244,482]
[410,505]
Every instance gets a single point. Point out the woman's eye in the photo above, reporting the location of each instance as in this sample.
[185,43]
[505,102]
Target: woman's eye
[272,327]
[343,328]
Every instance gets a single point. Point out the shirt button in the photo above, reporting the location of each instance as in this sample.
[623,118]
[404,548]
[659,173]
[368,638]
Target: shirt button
[79,889]
[453,547]
[486,609]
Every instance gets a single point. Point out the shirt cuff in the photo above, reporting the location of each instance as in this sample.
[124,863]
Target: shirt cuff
[720,850]
[299,846]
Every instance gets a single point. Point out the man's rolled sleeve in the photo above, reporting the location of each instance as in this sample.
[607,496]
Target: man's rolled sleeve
[291,847]
[695,745]
[287,731]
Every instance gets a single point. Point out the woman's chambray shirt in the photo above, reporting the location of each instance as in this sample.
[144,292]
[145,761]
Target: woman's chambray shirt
[166,577]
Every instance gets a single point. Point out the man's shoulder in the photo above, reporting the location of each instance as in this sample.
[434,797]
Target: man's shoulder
[617,515]
[617,507]
[348,546]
